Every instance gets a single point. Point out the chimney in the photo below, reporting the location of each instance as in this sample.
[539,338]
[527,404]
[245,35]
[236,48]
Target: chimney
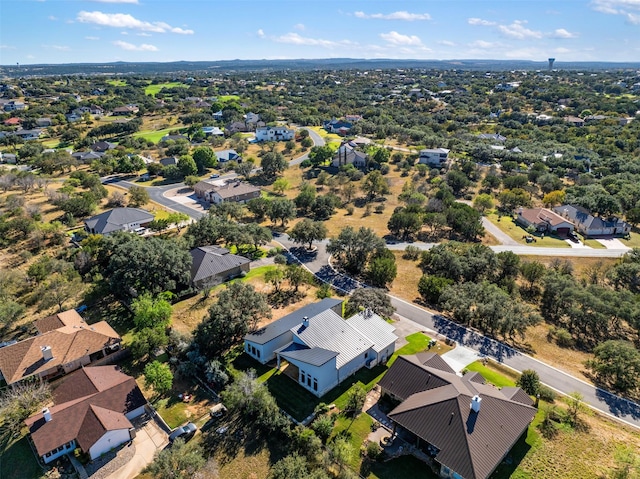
[47,353]
[475,403]
[46,414]
[305,321]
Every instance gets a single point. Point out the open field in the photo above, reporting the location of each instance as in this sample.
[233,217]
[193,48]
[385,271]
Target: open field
[153,89]
[117,82]
[152,135]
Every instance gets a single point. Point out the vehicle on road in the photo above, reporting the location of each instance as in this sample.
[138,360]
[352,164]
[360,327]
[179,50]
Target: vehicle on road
[215,175]
[185,432]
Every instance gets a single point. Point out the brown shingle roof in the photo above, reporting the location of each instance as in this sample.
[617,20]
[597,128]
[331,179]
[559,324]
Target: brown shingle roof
[469,443]
[88,403]
[56,321]
[68,343]
[542,215]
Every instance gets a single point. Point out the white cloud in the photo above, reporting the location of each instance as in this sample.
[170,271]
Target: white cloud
[52,18]
[260,33]
[93,39]
[116,1]
[625,8]
[62,48]
[296,39]
[519,31]
[562,50]
[483,44]
[400,15]
[124,20]
[633,18]
[480,21]
[446,43]
[396,38]
[144,34]
[299,26]
[145,47]
[7,47]
[562,33]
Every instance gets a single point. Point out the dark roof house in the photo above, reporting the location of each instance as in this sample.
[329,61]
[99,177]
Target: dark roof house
[544,221]
[92,410]
[467,426]
[117,219]
[590,225]
[213,265]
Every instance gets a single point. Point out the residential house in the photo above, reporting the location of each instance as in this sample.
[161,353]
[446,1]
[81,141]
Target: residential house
[237,127]
[212,131]
[274,133]
[87,156]
[9,158]
[347,154]
[14,105]
[13,121]
[172,160]
[117,219]
[339,127]
[102,146]
[352,118]
[43,122]
[589,225]
[509,86]
[492,137]
[466,426]
[544,221]
[228,155]
[574,120]
[213,265]
[171,137]
[250,118]
[92,410]
[64,343]
[434,157]
[202,104]
[218,116]
[29,134]
[321,348]
[125,110]
[234,191]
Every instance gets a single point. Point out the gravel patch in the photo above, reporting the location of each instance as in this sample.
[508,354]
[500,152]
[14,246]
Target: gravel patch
[109,463]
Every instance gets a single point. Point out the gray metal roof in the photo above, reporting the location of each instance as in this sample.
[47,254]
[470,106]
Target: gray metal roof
[471,444]
[284,324]
[115,219]
[374,328]
[312,356]
[329,331]
[211,260]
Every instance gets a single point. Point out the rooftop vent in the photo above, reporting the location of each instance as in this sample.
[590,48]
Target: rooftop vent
[47,353]
[46,414]
[305,321]
[475,403]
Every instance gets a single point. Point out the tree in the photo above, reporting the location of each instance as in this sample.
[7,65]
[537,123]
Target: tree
[290,467]
[280,185]
[431,287]
[529,381]
[458,182]
[355,399]
[187,166]
[483,202]
[138,196]
[275,276]
[353,248]
[178,462]
[150,312]
[617,364]
[273,163]
[20,401]
[191,181]
[259,207]
[148,340]
[532,271]
[59,289]
[305,199]
[404,224]
[324,206]
[282,209]
[204,158]
[158,376]
[319,155]
[465,221]
[382,268]
[151,264]
[372,299]
[308,231]
[554,198]
[237,312]
[374,184]
[511,199]
[244,169]
[297,276]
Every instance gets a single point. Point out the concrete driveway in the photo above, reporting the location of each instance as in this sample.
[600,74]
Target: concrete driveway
[460,357]
[149,439]
[612,243]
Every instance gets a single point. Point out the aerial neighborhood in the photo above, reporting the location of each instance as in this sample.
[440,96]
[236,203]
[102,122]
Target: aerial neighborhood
[323,270]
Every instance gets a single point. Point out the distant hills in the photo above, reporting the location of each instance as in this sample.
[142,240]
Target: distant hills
[186,67]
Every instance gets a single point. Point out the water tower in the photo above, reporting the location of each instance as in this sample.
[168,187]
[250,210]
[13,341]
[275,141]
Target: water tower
[551,60]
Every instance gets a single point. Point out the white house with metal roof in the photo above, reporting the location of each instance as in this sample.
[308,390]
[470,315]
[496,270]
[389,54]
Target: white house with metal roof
[325,348]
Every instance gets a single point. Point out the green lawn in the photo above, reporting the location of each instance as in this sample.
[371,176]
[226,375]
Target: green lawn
[154,136]
[152,90]
[508,225]
[227,98]
[405,467]
[634,239]
[591,243]
[17,461]
[356,430]
[117,82]
[500,379]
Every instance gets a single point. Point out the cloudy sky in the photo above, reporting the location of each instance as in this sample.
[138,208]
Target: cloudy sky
[70,31]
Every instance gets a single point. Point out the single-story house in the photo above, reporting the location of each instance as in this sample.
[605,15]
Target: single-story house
[33,134]
[117,219]
[64,343]
[171,160]
[574,120]
[213,265]
[102,146]
[347,154]
[274,133]
[212,131]
[234,191]
[492,137]
[92,410]
[434,156]
[42,122]
[466,426]
[10,158]
[339,127]
[590,225]
[228,155]
[86,156]
[125,110]
[321,348]
[14,105]
[544,220]
[13,121]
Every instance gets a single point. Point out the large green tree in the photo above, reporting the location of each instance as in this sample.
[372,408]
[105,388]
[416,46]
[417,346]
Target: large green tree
[307,231]
[617,364]
[353,248]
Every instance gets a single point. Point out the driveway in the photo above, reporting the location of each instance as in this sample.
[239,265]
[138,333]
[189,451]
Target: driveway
[612,243]
[460,357]
[149,439]
[502,237]
[577,245]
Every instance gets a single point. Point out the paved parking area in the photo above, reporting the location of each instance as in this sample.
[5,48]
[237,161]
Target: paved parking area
[460,357]
[149,439]
[612,243]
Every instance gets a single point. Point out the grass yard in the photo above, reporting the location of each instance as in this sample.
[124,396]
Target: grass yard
[227,98]
[496,374]
[508,225]
[405,467]
[17,461]
[154,89]
[591,243]
[117,82]
[154,136]
[634,239]
[356,430]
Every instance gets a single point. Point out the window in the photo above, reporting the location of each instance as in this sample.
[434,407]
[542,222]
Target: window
[366,355]
[309,380]
[315,384]
[258,351]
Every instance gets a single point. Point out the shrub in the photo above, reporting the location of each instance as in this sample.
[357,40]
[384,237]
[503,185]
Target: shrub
[411,253]
[374,451]
[350,210]
[546,393]
[324,291]
[274,251]
[379,209]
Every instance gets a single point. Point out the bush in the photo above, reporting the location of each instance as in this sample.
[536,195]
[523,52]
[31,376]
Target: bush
[379,209]
[411,253]
[324,291]
[563,337]
[374,451]
[350,210]
[274,251]
[546,393]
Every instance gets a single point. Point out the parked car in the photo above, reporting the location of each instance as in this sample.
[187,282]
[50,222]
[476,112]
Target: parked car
[215,175]
[218,410]
[574,237]
[185,432]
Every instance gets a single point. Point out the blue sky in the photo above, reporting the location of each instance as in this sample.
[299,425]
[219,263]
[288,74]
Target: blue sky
[70,31]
